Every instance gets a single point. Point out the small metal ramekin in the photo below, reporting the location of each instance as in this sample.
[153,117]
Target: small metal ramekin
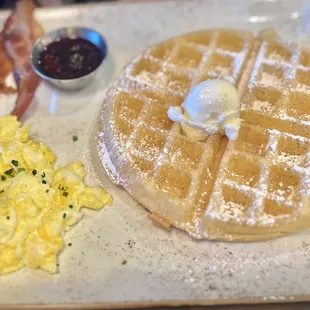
[72,33]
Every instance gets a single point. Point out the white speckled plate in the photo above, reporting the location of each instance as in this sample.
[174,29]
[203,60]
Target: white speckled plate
[163,268]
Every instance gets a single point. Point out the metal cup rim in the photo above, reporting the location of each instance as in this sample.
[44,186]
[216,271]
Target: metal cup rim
[77,29]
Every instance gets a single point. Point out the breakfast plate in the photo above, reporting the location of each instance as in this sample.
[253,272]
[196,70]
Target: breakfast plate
[117,257]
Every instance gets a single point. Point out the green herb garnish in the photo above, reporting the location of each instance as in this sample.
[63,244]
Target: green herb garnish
[71,206]
[44,182]
[124,262]
[3,178]
[14,163]
[1,191]
[47,190]
[43,175]
[9,172]
[64,215]
[7,217]
[20,169]
[34,172]
[75,138]
[65,194]
[69,244]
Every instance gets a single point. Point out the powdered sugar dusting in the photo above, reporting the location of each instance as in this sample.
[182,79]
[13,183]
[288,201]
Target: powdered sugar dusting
[267,220]
[269,79]
[263,106]
[222,71]
[275,57]
[289,192]
[144,150]
[158,79]
[303,88]
[233,211]
[291,159]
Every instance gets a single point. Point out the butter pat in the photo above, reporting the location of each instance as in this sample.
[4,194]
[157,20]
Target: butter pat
[212,106]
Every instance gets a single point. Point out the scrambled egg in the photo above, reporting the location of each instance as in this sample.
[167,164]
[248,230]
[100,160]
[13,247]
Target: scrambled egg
[37,203]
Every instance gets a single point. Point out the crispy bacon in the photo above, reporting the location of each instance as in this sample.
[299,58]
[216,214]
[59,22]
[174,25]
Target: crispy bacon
[5,69]
[17,37]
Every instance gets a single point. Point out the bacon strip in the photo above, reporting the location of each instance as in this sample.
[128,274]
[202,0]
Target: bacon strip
[5,69]
[18,35]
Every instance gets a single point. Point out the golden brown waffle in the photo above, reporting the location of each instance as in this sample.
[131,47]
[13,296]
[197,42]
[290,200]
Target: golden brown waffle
[254,188]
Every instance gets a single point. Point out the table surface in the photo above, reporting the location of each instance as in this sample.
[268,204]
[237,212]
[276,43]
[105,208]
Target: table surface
[95,18]
[292,306]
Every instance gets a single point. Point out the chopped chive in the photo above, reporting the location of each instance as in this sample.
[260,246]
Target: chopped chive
[20,169]
[9,172]
[124,262]
[71,206]
[64,215]
[44,182]
[65,194]
[57,265]
[34,172]
[14,163]
[7,217]
[2,191]
[43,175]
[47,190]
[3,178]
[75,138]
[69,244]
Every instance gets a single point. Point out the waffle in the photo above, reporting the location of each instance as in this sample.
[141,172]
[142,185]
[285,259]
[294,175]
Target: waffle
[254,188]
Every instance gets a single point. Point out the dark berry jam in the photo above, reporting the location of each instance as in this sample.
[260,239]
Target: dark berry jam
[67,59]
